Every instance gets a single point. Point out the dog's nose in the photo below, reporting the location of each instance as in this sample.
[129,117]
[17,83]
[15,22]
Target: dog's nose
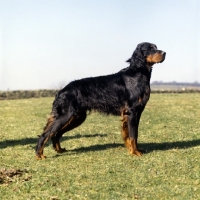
[163,53]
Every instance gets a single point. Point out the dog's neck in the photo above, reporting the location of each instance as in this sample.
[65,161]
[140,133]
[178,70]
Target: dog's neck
[149,67]
[139,63]
[141,66]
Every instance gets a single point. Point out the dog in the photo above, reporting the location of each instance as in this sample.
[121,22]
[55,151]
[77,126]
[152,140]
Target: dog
[124,93]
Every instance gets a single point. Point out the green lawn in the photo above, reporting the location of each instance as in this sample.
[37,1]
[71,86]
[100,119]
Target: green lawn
[96,165]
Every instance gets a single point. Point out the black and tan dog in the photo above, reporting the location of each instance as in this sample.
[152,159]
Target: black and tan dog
[124,93]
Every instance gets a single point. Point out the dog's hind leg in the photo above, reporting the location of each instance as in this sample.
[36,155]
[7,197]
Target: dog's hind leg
[54,125]
[77,120]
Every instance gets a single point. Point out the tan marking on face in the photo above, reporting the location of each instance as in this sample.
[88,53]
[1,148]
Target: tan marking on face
[154,58]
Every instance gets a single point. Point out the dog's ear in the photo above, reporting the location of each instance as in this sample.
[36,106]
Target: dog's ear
[129,60]
[138,52]
[144,49]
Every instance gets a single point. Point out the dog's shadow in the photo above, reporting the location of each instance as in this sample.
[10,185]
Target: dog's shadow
[31,141]
[96,147]
[150,147]
[145,147]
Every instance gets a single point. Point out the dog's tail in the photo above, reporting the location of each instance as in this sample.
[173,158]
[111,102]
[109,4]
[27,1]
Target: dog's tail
[50,122]
[47,128]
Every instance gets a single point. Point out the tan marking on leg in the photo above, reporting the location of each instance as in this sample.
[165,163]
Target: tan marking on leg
[71,119]
[46,128]
[50,120]
[59,149]
[40,154]
[125,133]
[133,147]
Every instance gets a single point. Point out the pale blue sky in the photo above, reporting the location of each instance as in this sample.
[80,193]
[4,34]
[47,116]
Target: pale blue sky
[47,43]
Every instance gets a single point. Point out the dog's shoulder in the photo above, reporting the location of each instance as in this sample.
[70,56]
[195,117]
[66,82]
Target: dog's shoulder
[135,79]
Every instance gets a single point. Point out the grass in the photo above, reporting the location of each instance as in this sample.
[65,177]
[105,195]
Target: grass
[96,165]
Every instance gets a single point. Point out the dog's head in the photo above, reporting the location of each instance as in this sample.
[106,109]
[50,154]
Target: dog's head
[147,53]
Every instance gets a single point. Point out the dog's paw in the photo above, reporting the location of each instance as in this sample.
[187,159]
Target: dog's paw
[40,157]
[61,150]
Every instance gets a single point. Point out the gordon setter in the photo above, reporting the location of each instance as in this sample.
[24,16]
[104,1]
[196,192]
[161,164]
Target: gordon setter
[124,93]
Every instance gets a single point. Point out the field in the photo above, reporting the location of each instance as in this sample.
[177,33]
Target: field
[96,165]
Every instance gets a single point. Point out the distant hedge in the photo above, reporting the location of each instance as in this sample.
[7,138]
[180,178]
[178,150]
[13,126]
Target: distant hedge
[176,91]
[25,94]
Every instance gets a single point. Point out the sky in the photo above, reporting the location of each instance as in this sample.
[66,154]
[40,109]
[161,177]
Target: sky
[45,44]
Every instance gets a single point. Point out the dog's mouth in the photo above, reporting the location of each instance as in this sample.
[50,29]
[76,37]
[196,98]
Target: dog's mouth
[163,57]
[160,61]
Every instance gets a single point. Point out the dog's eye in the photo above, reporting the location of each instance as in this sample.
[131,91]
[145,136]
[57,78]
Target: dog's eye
[152,48]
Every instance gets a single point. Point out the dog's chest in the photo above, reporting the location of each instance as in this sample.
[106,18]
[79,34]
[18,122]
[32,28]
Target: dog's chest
[145,95]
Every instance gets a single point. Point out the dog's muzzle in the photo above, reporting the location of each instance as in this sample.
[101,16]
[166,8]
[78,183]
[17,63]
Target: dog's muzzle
[163,56]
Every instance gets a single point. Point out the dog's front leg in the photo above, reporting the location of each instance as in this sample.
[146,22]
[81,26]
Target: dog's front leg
[133,123]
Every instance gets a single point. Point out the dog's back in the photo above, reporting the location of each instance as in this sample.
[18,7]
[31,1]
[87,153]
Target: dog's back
[106,94]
